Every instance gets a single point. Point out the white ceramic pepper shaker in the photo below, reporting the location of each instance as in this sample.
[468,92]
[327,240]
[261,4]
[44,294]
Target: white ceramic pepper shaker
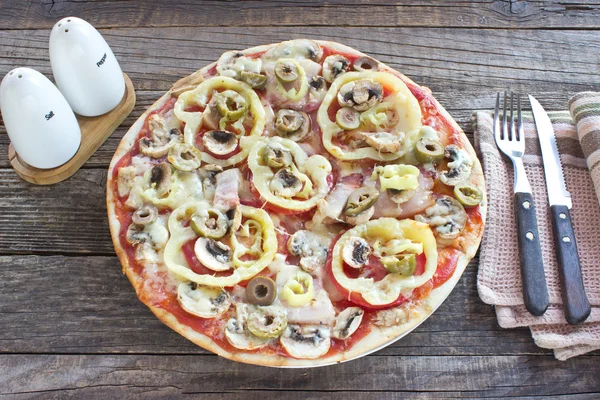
[85,68]
[39,121]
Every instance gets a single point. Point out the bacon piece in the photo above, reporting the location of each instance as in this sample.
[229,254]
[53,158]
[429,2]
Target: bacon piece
[330,208]
[227,189]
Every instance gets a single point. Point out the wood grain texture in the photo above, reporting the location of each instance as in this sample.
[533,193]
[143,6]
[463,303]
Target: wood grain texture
[19,14]
[69,217]
[58,304]
[446,60]
[110,376]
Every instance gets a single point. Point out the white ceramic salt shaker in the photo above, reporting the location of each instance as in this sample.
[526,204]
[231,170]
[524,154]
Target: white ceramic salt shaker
[85,68]
[39,121]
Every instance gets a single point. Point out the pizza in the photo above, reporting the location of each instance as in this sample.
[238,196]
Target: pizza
[295,204]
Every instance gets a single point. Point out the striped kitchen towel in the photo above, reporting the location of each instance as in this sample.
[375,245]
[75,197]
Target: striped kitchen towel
[499,277]
[585,111]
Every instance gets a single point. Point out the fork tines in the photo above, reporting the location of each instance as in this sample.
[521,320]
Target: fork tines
[508,131]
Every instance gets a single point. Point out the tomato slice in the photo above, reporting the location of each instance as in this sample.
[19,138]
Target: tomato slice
[373,269]
[447,260]
[195,264]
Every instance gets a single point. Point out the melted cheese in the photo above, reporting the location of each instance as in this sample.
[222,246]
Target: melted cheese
[185,187]
[402,100]
[201,96]
[391,286]
[316,169]
[181,234]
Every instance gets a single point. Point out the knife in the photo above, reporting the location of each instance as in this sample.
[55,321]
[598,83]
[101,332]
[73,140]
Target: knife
[576,304]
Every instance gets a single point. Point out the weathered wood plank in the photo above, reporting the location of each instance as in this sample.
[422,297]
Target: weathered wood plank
[58,304]
[117,13]
[446,60]
[69,217]
[109,376]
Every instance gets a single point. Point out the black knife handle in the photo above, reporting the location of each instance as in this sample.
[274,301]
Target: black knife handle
[576,304]
[535,290]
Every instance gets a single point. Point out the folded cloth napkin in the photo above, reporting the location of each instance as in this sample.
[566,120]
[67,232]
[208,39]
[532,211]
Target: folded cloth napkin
[499,277]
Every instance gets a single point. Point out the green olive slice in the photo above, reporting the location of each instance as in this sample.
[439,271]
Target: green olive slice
[360,200]
[256,81]
[277,157]
[184,157]
[428,151]
[286,71]
[403,265]
[468,195]
[261,290]
[210,223]
[347,118]
[231,105]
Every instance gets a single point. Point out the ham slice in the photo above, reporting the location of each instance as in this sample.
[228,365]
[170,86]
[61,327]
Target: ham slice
[227,189]
[385,207]
[330,208]
[319,311]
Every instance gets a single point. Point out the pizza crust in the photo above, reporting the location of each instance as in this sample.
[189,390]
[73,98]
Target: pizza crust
[379,337]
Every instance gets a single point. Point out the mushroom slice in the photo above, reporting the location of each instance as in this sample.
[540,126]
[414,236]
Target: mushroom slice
[385,142]
[233,63]
[365,64]
[160,179]
[153,149]
[299,48]
[145,215]
[334,66]
[311,249]
[213,255]
[209,222]
[267,322]
[220,142]
[209,172]
[285,183]
[235,219]
[306,341]
[184,157]
[317,83]
[277,156]
[361,94]
[447,218]
[347,322]
[460,165]
[203,301]
[136,234]
[294,125]
[237,334]
[356,252]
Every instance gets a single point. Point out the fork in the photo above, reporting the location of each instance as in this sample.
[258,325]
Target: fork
[511,142]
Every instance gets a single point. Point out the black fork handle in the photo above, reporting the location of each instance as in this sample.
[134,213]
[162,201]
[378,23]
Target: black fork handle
[535,290]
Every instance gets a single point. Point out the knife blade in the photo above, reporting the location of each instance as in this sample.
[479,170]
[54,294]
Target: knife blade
[576,304]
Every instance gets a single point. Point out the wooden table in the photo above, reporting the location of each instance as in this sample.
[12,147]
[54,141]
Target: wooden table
[70,323]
